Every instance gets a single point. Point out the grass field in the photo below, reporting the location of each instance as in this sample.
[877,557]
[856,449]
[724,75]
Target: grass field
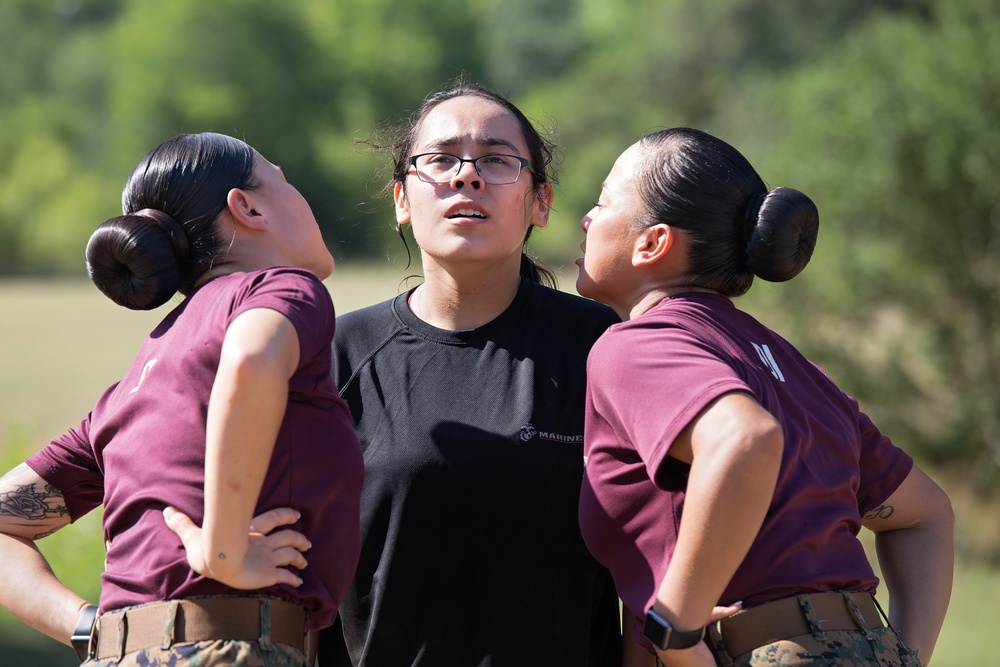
[62,343]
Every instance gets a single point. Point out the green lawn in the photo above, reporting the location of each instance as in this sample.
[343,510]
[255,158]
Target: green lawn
[62,343]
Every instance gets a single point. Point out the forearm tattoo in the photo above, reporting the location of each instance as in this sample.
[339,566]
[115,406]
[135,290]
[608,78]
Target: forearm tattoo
[29,504]
[880,512]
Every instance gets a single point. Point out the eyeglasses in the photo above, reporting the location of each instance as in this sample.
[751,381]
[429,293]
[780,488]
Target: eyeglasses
[494,168]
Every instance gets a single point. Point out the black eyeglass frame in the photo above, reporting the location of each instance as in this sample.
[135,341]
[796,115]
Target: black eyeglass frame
[523,162]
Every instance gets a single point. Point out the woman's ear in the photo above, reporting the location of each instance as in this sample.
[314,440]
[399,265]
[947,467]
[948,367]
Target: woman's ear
[541,205]
[652,245]
[241,206]
[402,206]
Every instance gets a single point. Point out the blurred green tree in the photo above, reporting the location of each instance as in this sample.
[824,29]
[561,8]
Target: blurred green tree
[106,81]
[895,136]
[645,65]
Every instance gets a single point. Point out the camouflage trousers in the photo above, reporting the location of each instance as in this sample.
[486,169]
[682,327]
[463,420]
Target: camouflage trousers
[843,648]
[213,653]
[831,629]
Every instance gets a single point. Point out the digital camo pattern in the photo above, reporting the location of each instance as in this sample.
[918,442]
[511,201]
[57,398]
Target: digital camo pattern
[213,653]
[842,648]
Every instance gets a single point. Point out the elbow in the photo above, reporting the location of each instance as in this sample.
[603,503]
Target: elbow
[773,440]
[769,449]
[946,513]
[254,365]
[937,509]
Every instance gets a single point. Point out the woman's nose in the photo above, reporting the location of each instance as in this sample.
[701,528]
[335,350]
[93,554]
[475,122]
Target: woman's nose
[467,175]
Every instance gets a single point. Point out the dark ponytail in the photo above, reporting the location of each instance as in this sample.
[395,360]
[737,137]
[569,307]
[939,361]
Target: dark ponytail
[136,259]
[736,228]
[167,238]
[783,236]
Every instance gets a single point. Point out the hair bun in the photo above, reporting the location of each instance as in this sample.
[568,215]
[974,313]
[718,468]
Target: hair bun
[136,259]
[783,238]
[173,228]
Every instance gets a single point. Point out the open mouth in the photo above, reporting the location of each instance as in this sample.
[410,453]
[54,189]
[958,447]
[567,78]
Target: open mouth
[466,213]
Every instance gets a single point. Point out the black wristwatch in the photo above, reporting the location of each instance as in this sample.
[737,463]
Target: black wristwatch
[80,639]
[657,630]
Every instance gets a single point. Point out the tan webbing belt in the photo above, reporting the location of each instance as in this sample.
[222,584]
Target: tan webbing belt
[162,624]
[793,617]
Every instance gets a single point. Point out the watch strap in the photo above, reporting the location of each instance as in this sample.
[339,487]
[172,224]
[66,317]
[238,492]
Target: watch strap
[80,639]
[664,636]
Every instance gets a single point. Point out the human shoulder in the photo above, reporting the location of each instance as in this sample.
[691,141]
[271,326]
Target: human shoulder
[665,330]
[295,294]
[367,327]
[290,284]
[280,283]
[572,309]
[377,315]
[363,334]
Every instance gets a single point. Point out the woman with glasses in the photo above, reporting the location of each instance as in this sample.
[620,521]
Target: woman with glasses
[467,393]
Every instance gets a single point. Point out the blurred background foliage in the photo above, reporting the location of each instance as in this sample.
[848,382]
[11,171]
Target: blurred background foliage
[884,111]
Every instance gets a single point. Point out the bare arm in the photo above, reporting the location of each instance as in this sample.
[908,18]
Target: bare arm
[915,541]
[31,509]
[259,355]
[735,449]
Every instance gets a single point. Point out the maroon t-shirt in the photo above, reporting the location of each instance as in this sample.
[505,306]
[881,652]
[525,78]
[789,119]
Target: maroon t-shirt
[143,447]
[649,377]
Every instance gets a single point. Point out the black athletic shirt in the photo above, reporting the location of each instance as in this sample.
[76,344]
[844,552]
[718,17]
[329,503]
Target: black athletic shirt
[471,553]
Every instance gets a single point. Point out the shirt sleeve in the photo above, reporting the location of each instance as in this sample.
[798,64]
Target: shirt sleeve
[649,383]
[68,463]
[302,298]
[883,466]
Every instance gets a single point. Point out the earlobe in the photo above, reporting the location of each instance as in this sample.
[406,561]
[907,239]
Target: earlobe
[652,245]
[542,205]
[402,206]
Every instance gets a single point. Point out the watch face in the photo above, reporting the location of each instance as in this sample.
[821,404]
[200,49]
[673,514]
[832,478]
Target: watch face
[657,630]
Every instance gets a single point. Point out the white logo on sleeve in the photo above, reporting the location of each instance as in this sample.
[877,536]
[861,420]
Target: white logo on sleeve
[145,369]
[765,355]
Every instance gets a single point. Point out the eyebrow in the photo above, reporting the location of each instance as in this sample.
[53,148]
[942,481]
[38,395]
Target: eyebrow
[481,142]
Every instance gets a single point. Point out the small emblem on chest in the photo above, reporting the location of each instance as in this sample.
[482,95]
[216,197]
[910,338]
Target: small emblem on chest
[529,432]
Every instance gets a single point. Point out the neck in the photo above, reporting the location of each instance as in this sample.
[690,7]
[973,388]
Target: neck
[654,296]
[458,301]
[223,266]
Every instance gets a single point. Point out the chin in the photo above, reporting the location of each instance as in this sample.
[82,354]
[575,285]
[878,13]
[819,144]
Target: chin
[583,285]
[323,269]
